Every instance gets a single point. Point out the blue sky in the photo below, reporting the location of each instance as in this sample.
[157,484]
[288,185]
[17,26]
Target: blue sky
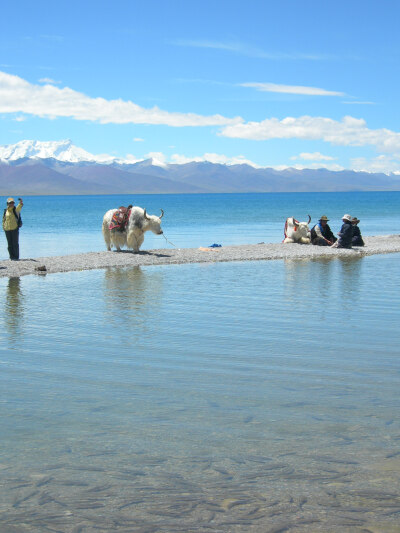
[289,83]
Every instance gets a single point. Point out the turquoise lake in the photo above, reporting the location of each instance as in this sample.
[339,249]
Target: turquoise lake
[230,397]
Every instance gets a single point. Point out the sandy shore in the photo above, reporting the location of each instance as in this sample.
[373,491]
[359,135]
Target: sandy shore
[382,244]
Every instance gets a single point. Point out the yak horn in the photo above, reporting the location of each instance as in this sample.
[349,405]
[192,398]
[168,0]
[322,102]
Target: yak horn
[309,219]
[162,213]
[295,222]
[145,215]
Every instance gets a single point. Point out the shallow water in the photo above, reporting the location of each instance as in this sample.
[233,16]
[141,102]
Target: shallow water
[226,397]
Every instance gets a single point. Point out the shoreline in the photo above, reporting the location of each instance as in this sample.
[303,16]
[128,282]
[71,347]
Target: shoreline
[382,244]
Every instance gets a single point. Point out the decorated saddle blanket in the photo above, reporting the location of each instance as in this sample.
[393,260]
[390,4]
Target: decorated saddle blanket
[120,218]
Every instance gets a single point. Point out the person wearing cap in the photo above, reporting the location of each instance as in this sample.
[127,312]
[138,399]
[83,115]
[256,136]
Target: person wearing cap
[321,233]
[11,227]
[345,233]
[357,240]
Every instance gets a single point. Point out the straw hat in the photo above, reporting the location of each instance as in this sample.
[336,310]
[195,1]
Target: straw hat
[346,217]
[9,200]
[355,220]
[324,218]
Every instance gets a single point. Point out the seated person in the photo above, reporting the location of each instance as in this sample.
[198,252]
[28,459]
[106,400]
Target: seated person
[321,234]
[357,240]
[345,233]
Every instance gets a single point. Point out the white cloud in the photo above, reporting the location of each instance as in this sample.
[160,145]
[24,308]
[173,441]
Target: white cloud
[315,156]
[138,140]
[20,96]
[328,166]
[349,131]
[291,89]
[129,158]
[383,163]
[213,158]
[249,50]
[49,80]
[158,159]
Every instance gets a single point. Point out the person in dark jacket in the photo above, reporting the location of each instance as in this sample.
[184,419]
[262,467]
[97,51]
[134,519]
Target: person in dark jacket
[321,233]
[345,233]
[357,240]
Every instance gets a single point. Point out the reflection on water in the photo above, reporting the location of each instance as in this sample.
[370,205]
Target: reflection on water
[197,398]
[304,275]
[14,308]
[351,268]
[131,297]
[132,289]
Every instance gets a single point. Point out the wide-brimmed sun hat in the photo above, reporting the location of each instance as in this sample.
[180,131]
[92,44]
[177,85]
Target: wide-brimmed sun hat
[324,218]
[355,219]
[9,200]
[346,217]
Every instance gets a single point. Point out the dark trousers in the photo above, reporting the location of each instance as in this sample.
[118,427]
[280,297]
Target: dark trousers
[357,241]
[13,243]
[319,241]
[341,245]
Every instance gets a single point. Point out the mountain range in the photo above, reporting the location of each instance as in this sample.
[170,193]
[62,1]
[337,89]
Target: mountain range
[59,167]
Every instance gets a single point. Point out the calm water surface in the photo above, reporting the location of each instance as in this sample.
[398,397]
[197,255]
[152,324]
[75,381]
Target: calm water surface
[260,396]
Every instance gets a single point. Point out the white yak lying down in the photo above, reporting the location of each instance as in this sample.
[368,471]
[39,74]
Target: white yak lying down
[296,231]
[133,235]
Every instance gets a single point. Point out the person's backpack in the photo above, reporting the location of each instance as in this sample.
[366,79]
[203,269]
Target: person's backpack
[17,216]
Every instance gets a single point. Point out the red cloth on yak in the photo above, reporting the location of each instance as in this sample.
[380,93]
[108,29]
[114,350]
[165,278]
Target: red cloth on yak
[120,218]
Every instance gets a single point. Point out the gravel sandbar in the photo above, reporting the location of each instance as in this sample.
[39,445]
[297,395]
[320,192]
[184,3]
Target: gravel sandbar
[382,244]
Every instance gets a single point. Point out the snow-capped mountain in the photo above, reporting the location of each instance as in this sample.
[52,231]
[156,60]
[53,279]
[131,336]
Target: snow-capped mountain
[63,151]
[60,150]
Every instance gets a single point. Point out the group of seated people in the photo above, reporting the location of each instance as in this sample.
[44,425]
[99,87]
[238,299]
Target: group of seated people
[349,234]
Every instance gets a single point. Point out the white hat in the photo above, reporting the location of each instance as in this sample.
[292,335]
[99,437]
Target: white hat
[346,217]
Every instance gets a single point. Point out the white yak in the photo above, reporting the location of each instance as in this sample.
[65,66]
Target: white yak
[133,235]
[296,231]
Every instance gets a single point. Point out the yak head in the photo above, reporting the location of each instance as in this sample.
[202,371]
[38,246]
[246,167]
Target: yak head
[302,227]
[152,222]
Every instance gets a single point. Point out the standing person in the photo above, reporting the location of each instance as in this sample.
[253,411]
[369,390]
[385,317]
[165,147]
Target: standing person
[345,233]
[357,240]
[11,225]
[321,233]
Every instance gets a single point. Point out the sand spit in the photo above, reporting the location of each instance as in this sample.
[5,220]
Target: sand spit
[382,244]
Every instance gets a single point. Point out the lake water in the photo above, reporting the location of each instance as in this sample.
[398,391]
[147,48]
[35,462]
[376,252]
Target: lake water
[230,397]
[60,225]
